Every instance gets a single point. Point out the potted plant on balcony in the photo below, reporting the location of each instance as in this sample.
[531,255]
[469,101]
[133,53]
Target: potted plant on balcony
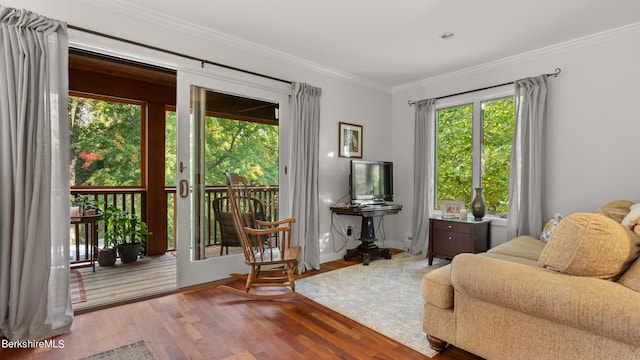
[124,231]
[86,204]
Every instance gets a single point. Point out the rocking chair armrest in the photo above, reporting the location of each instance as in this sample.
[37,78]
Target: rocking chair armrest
[275,223]
[267,231]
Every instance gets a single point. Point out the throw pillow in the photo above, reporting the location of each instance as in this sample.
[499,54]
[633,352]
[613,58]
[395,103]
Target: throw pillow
[593,245]
[549,227]
[616,209]
[633,217]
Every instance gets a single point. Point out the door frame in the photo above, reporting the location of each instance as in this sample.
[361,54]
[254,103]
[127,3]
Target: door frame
[190,272]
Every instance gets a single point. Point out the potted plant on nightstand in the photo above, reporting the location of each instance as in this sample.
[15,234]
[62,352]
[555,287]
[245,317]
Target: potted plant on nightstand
[124,231]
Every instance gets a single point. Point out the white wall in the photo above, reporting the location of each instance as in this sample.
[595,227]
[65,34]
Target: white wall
[343,99]
[593,121]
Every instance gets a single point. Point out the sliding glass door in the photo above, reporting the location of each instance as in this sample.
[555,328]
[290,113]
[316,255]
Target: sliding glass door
[223,125]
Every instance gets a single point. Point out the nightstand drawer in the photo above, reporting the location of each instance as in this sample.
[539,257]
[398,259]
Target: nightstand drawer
[449,243]
[448,238]
[455,226]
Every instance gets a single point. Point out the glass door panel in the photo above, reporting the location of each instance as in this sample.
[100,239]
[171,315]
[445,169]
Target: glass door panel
[221,126]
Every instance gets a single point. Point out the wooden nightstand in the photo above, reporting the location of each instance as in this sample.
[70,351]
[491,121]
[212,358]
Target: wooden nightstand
[450,237]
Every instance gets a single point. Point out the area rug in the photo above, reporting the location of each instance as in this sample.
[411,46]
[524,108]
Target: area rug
[78,294]
[384,296]
[135,351]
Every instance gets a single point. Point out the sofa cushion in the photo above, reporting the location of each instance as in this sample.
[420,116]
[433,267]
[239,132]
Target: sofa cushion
[437,289]
[436,285]
[631,277]
[513,259]
[616,209]
[593,245]
[573,305]
[526,247]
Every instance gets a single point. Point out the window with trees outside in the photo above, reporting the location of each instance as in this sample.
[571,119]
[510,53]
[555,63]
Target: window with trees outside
[106,138]
[473,149]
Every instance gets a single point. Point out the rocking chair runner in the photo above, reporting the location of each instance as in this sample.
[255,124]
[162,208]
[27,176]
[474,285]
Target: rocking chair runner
[267,248]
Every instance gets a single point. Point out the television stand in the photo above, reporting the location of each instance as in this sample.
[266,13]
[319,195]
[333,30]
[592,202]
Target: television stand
[367,250]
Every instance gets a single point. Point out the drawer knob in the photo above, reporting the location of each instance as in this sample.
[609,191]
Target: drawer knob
[449,226]
[450,238]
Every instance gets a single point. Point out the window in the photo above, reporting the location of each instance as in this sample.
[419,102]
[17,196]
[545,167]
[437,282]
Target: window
[170,150]
[473,149]
[497,129]
[106,138]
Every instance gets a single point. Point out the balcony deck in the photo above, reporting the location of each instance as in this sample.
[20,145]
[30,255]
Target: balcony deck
[151,275]
[148,277]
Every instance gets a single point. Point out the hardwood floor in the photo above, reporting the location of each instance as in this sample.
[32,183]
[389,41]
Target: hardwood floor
[210,323]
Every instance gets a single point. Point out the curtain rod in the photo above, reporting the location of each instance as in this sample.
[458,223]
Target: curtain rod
[554,74]
[202,61]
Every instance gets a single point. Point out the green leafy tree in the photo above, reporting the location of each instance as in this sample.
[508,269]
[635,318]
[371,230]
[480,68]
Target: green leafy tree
[170,156]
[454,171]
[105,142]
[498,126]
[106,146]
[248,148]
[454,154]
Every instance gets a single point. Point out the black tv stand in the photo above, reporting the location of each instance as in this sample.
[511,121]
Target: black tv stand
[367,250]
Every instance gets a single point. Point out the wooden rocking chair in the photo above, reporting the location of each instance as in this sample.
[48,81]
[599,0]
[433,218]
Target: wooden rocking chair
[267,247]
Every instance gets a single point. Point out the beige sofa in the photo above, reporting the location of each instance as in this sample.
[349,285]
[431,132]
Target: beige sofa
[576,296]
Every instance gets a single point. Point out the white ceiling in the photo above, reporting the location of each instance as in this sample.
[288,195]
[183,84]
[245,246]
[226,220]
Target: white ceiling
[391,43]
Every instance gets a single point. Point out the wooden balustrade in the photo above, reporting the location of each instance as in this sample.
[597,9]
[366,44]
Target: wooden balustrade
[134,200]
[268,196]
[130,199]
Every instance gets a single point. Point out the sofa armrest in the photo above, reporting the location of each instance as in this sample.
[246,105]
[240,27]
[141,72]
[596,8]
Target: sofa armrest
[595,305]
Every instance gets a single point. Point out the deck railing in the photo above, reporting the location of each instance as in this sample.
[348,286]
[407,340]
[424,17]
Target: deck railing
[134,201]
[130,199]
[267,195]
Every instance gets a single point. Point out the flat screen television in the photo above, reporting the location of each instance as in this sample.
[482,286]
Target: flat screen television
[371,182]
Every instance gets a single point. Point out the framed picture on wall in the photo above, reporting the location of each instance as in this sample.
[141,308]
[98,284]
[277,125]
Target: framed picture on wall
[350,140]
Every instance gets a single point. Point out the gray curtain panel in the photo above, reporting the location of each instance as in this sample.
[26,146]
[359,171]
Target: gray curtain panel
[303,184]
[423,163]
[525,176]
[34,167]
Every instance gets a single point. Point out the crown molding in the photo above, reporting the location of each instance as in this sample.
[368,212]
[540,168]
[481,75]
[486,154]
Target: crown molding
[588,40]
[123,8]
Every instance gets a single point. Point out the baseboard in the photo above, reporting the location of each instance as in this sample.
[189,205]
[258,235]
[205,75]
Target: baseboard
[407,243]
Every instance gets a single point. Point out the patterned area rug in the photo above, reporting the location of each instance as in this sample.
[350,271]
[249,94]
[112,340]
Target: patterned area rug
[385,296]
[78,294]
[135,351]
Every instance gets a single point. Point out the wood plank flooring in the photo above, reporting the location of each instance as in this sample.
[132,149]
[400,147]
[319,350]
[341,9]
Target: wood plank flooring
[147,277]
[210,323]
